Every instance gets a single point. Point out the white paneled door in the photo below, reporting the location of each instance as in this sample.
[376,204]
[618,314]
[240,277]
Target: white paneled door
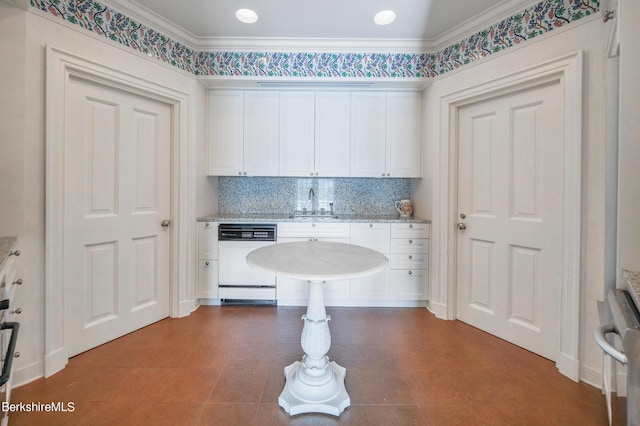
[117,193]
[510,192]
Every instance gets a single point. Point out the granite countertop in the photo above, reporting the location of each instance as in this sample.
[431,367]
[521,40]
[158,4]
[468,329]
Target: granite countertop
[285,217]
[633,282]
[6,247]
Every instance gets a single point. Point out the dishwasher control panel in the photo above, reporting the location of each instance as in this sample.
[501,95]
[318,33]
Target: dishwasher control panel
[247,232]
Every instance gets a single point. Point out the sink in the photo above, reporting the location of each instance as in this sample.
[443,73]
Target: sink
[314,217]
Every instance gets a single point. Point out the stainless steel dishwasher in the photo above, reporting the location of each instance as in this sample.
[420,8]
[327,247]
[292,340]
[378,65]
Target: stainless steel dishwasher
[626,325]
[237,281]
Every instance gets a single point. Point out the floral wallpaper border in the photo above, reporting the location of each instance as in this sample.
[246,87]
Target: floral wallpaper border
[532,22]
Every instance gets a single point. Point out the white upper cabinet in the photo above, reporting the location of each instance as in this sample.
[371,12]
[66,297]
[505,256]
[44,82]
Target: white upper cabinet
[315,133]
[297,124]
[368,134]
[243,133]
[226,132]
[404,134]
[332,130]
[386,135]
[261,133]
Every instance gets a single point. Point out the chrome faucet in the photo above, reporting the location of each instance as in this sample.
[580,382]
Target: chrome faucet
[312,195]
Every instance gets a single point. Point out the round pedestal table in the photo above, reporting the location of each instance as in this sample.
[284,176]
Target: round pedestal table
[316,385]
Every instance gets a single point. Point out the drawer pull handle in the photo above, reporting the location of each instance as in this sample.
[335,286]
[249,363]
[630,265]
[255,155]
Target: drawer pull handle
[206,263]
[206,224]
[14,253]
[18,311]
[410,257]
[17,282]
[371,225]
[410,241]
[17,355]
[410,225]
[410,273]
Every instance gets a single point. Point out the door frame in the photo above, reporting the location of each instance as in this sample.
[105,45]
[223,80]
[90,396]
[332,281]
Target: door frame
[565,70]
[60,67]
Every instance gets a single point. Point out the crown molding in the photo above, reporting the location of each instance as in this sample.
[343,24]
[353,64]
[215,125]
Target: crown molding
[259,44]
[289,44]
[152,20]
[497,13]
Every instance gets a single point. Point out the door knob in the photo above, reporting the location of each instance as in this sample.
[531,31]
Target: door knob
[165,223]
[462,226]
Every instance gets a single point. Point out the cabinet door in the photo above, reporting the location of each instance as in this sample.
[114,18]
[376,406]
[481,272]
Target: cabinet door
[374,236]
[297,119]
[225,132]
[408,285]
[208,279]
[368,137]
[372,287]
[291,292]
[207,240]
[261,132]
[332,134]
[404,134]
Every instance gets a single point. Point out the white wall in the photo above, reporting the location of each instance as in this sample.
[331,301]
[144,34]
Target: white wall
[629,137]
[590,36]
[23,36]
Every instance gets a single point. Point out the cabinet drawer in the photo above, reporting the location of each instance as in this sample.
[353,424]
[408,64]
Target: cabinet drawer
[207,240]
[410,230]
[372,235]
[408,285]
[409,261]
[409,245]
[313,229]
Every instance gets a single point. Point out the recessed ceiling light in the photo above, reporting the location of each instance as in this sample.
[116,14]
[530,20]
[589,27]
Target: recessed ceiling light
[384,17]
[247,16]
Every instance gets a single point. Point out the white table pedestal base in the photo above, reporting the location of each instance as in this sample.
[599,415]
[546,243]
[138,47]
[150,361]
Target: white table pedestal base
[329,398]
[315,385]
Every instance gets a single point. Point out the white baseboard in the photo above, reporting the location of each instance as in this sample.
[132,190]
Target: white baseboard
[568,366]
[438,309]
[186,307]
[208,302]
[28,374]
[591,376]
[55,362]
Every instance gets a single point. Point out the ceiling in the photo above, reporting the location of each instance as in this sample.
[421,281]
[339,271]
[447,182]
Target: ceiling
[205,22]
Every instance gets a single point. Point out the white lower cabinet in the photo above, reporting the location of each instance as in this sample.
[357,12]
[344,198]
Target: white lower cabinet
[292,292]
[403,283]
[207,260]
[408,278]
[374,236]
[207,279]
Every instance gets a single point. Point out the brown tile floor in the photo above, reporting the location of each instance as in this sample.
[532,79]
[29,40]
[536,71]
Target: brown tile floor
[224,366]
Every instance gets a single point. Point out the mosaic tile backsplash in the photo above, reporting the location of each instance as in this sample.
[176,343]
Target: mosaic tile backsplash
[367,196]
[527,24]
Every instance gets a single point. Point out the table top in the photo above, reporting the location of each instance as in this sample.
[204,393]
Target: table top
[318,260]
